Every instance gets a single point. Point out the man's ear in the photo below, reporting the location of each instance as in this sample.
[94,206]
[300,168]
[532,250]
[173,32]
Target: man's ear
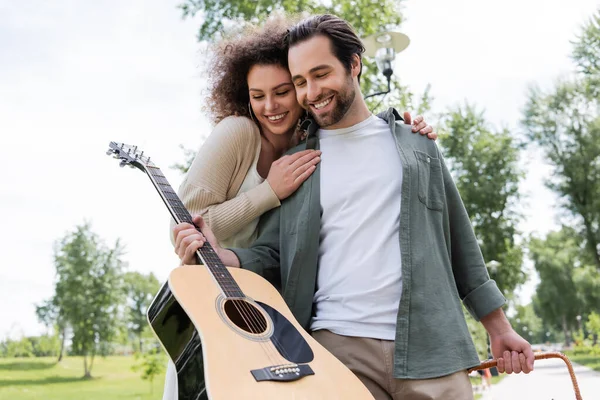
[355,65]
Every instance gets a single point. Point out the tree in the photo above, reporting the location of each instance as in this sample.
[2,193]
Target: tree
[558,261]
[366,16]
[485,167]
[18,348]
[88,291]
[586,53]
[150,364]
[140,290]
[49,314]
[565,123]
[593,326]
[527,323]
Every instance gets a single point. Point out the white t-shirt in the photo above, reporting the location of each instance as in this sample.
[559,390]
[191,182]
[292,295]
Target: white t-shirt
[359,281]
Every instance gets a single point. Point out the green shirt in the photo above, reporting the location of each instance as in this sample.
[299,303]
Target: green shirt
[441,259]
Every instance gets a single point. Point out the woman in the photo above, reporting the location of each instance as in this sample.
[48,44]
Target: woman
[240,172]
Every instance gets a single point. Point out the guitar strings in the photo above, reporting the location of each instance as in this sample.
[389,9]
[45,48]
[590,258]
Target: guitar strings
[250,315]
[254,317]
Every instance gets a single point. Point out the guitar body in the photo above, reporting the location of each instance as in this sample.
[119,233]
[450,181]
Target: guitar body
[228,330]
[257,333]
[181,341]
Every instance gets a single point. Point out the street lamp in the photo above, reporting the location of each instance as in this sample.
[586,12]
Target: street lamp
[384,46]
[493,266]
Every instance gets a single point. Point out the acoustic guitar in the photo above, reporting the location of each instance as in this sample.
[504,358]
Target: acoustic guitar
[229,331]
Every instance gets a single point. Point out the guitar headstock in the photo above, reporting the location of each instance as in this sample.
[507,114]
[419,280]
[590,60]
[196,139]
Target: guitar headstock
[129,155]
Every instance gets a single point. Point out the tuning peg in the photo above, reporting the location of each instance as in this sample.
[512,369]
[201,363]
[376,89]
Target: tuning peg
[123,163]
[109,152]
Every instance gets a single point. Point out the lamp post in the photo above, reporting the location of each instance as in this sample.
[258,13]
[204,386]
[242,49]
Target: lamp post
[493,266]
[384,46]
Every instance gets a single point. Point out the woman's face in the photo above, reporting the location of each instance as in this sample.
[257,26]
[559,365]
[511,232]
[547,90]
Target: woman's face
[273,98]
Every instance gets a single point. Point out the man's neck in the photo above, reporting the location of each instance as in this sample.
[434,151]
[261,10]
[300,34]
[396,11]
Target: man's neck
[357,113]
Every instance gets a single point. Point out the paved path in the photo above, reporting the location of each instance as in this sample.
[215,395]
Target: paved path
[549,381]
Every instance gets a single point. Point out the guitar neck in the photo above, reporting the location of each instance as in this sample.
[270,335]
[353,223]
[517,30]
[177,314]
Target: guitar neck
[206,253]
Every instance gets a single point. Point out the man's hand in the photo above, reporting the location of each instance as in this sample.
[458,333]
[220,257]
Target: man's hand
[419,125]
[511,351]
[188,240]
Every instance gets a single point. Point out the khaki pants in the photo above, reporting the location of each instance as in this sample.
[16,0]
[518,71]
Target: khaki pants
[372,362]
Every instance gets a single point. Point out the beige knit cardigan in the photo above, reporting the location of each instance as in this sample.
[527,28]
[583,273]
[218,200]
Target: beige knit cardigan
[211,186]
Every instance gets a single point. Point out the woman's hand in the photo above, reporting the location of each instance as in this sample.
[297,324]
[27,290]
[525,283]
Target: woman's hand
[419,125]
[290,171]
[188,240]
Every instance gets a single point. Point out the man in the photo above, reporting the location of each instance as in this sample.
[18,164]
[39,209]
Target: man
[375,251]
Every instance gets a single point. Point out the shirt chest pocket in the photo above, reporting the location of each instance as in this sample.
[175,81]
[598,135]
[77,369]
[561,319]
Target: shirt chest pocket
[431,181]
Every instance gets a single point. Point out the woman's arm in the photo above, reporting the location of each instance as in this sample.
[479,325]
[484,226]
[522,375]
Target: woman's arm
[221,162]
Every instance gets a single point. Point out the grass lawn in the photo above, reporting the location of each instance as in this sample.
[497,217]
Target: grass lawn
[591,361]
[43,378]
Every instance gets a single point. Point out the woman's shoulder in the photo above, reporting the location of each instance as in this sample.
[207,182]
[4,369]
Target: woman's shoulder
[236,130]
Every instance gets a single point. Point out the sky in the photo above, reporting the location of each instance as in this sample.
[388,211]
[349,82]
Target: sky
[76,75]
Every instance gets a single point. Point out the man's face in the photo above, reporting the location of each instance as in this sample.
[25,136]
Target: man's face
[323,86]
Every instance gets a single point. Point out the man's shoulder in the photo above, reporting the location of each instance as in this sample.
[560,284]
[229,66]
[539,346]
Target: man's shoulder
[299,147]
[407,138]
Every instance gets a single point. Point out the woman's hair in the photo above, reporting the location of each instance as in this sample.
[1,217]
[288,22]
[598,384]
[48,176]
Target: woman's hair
[230,61]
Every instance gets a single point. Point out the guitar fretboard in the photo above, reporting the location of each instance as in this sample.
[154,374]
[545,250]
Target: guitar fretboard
[206,253]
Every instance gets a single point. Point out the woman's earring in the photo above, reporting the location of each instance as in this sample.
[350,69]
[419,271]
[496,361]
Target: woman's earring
[302,133]
[251,113]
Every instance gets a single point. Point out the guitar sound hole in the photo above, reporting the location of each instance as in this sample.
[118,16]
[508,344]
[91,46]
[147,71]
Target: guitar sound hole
[245,316]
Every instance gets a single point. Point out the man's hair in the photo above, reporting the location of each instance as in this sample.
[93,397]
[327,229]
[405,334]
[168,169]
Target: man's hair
[344,40]
[231,59]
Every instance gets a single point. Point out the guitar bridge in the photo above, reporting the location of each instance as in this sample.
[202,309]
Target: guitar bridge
[282,373]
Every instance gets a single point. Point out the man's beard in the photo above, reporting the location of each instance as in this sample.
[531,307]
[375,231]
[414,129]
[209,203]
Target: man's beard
[343,102]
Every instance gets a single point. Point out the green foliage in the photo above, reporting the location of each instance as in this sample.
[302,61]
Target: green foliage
[188,157]
[17,348]
[527,324]
[140,290]
[34,346]
[484,164]
[586,54]
[593,324]
[559,261]
[150,364]
[88,292]
[45,345]
[366,16]
[565,123]
[50,314]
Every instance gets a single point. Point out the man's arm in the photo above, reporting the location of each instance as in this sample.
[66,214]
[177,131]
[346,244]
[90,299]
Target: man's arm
[513,353]
[479,293]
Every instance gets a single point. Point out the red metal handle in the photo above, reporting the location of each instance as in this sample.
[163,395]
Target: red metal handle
[540,356]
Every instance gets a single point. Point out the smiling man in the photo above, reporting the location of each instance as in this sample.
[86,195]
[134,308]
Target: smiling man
[375,253]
